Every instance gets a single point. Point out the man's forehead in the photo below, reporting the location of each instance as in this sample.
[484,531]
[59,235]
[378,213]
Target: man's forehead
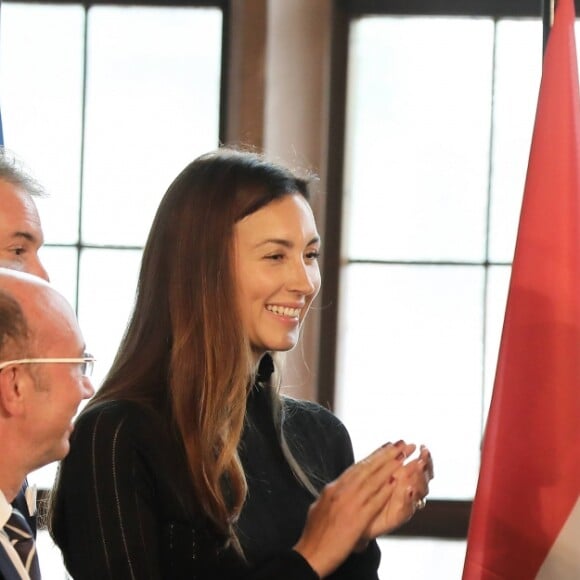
[9,188]
[58,333]
[14,195]
[18,213]
[49,314]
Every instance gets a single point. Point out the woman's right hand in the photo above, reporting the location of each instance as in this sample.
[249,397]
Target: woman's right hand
[346,508]
[411,487]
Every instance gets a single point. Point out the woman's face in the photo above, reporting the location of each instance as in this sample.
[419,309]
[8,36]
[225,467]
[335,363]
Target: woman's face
[277,273]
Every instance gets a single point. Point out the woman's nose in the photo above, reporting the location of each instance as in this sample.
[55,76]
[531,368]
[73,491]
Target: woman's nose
[304,279]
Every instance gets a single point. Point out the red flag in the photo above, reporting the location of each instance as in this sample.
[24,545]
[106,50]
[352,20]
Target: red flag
[525,522]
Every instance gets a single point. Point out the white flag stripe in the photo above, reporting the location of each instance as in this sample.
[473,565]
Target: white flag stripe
[563,559]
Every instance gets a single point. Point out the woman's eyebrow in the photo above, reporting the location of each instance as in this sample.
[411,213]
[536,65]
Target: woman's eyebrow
[279,241]
[285,243]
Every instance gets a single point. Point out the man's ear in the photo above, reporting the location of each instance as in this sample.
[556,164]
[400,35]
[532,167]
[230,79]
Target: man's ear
[11,392]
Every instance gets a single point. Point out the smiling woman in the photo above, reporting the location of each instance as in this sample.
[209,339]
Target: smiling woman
[277,273]
[188,463]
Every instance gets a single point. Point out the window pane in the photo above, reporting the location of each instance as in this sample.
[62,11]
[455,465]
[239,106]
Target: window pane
[418,128]
[152,105]
[41,72]
[50,557]
[437,334]
[518,70]
[61,265]
[422,558]
[410,364]
[107,292]
[153,93]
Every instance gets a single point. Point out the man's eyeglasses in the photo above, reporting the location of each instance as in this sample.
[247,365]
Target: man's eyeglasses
[86,362]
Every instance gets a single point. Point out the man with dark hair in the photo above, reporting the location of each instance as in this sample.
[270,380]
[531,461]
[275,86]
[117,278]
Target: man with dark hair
[44,373]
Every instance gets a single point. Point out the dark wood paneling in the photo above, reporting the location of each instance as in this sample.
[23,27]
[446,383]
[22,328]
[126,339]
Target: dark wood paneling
[441,519]
[497,8]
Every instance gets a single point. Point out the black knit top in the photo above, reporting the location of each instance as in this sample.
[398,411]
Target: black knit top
[125,509]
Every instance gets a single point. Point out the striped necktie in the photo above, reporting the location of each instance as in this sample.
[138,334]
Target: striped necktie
[20,536]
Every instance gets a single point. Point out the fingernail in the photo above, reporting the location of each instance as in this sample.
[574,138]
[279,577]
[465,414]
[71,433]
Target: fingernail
[399,443]
[401,456]
[386,444]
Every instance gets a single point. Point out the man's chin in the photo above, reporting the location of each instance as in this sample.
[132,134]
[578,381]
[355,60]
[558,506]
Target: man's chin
[62,450]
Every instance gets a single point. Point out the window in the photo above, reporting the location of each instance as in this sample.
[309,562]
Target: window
[106,104]
[432,209]
[435,112]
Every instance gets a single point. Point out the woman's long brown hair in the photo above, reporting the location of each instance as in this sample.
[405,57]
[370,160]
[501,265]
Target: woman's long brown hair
[184,350]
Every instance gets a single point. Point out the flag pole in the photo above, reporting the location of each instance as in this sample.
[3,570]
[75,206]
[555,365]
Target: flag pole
[547,19]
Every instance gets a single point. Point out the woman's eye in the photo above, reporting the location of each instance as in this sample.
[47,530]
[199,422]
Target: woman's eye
[275,257]
[314,255]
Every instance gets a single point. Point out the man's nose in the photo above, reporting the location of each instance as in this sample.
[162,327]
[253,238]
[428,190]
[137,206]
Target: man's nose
[38,269]
[88,390]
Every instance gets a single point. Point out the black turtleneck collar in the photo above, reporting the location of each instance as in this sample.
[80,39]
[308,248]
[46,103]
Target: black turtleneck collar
[265,369]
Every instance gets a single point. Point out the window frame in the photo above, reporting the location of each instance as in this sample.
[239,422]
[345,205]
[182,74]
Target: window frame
[225,7]
[442,519]
[79,245]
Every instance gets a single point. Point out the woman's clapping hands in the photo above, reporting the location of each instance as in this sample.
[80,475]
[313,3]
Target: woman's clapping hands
[371,498]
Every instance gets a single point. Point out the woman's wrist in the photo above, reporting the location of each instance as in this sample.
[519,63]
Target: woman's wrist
[312,557]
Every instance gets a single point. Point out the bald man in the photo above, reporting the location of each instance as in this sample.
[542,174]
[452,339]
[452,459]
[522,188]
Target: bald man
[20,231]
[44,375]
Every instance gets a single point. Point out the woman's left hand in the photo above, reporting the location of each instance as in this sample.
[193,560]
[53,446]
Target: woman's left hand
[411,483]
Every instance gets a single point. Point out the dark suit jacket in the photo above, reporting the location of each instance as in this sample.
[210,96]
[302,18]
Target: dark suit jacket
[7,570]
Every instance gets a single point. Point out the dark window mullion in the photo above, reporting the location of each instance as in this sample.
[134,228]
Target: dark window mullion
[82,157]
[488,8]
[488,228]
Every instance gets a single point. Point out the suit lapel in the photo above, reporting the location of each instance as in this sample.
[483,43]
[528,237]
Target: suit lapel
[7,570]
[21,505]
